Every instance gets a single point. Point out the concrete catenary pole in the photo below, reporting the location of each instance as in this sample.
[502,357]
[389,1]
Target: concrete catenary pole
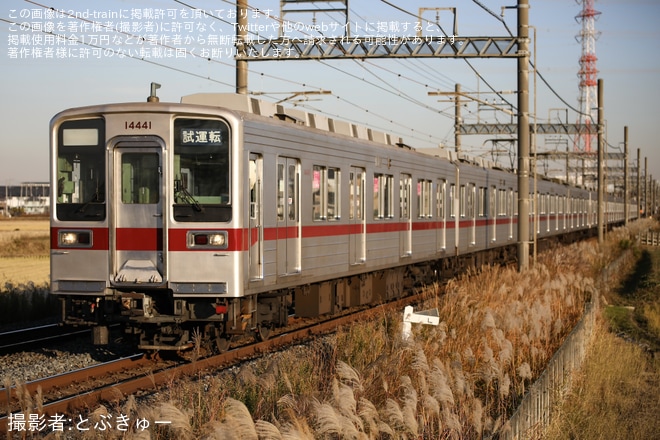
[457,118]
[639,184]
[626,196]
[646,186]
[523,135]
[601,175]
[241,37]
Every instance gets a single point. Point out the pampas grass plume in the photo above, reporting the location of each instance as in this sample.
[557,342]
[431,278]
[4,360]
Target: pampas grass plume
[180,422]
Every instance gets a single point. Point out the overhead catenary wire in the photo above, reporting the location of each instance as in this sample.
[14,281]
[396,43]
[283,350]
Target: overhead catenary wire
[393,89]
[531,63]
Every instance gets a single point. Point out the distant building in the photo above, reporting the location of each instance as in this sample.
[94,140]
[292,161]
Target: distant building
[26,198]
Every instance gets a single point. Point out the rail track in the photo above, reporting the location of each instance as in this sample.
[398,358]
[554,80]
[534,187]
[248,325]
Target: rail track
[19,340]
[79,391]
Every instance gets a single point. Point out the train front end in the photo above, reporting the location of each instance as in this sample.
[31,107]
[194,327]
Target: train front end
[143,223]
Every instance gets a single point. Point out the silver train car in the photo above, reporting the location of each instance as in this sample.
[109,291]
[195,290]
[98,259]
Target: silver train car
[222,215]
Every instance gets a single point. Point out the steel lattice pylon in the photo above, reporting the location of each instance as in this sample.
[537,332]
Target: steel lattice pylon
[588,74]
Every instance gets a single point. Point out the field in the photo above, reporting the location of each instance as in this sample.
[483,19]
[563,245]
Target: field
[24,251]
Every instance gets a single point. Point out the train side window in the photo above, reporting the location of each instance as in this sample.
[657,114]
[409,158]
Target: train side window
[492,212]
[404,202]
[452,199]
[510,210]
[325,193]
[356,194]
[424,197]
[515,203]
[319,175]
[481,201]
[440,199]
[501,203]
[462,201]
[471,190]
[333,192]
[292,192]
[383,195]
[280,192]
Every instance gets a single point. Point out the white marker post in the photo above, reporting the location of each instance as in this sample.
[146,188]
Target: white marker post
[428,317]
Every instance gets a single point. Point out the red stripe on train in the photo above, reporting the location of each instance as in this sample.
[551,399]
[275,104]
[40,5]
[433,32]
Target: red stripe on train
[150,239]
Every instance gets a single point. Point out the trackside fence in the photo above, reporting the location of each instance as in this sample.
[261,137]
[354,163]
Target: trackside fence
[649,238]
[534,413]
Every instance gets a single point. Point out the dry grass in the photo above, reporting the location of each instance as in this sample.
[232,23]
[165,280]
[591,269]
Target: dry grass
[613,400]
[24,251]
[620,399]
[461,379]
[24,271]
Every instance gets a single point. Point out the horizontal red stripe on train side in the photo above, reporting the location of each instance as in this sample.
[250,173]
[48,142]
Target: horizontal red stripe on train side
[151,239]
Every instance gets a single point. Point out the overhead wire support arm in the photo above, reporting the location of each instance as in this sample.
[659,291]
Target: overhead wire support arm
[502,128]
[284,48]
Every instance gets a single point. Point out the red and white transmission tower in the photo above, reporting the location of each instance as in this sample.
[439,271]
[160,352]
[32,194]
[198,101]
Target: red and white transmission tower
[588,74]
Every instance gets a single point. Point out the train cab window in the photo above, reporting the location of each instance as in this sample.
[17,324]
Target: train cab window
[383,196]
[80,170]
[201,170]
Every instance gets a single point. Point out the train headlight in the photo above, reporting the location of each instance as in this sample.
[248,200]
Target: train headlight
[217,240]
[208,239]
[75,238]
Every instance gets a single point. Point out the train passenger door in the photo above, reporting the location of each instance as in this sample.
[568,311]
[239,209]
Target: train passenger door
[137,233]
[255,227]
[288,216]
[356,218]
[472,212]
[441,213]
[405,186]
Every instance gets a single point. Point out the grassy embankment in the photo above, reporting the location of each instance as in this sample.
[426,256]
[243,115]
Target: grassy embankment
[24,271]
[617,394]
[461,379]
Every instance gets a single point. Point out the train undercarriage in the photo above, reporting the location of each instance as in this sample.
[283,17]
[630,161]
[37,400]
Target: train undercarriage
[154,320]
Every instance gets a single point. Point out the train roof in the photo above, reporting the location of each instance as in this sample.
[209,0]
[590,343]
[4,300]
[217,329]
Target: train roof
[247,104]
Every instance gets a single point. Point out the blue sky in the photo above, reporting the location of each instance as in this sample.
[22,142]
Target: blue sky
[390,95]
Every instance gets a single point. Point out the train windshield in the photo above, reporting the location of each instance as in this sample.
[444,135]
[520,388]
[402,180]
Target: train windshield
[201,170]
[81,170]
